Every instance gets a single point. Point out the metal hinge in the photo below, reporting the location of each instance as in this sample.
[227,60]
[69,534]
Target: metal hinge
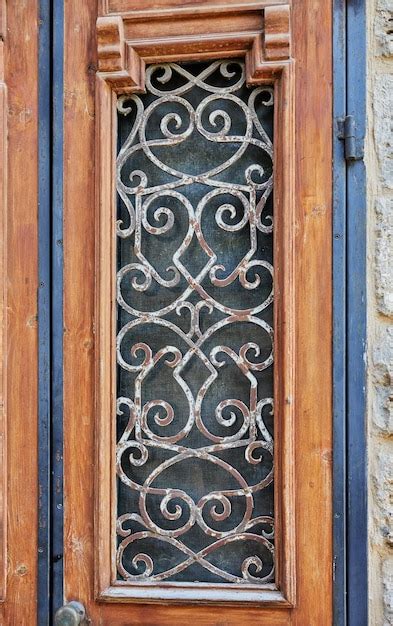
[347,132]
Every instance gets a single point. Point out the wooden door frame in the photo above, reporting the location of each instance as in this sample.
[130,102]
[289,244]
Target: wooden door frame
[349,310]
[115,78]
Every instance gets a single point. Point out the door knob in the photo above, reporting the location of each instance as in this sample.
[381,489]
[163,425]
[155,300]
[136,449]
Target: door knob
[71,614]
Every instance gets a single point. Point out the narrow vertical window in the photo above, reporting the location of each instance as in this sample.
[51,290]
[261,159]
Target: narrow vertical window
[195,415]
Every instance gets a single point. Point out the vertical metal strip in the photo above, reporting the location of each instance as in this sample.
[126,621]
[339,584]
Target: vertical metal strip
[44,333]
[356,325]
[57,306]
[339,316]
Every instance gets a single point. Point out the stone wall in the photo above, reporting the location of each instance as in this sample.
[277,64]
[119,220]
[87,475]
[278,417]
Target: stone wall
[379,161]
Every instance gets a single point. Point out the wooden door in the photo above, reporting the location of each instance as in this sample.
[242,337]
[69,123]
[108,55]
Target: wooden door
[197,404]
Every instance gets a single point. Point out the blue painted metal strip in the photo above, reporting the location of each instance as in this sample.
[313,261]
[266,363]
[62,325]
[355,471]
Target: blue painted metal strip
[44,334]
[339,316]
[57,306]
[356,326]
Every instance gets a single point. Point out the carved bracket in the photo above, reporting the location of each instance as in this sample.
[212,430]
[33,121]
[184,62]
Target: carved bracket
[126,42]
[118,64]
[277,36]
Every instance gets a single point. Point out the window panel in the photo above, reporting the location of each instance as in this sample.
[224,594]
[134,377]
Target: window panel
[194,453]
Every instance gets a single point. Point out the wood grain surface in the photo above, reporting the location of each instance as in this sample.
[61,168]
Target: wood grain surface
[20,211]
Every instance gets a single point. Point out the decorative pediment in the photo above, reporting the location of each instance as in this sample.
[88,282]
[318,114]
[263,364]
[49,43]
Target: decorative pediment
[126,42]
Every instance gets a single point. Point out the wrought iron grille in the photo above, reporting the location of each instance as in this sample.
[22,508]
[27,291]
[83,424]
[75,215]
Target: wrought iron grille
[195,328]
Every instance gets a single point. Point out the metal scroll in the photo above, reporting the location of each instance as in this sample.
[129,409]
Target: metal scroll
[194,455]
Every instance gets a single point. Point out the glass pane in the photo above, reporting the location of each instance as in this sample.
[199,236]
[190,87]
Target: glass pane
[195,328]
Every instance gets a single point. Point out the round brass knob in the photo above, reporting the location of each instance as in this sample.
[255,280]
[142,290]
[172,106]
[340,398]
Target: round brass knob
[71,614]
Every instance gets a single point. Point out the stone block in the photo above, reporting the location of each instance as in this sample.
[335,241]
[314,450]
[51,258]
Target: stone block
[383,28]
[383,127]
[382,501]
[384,255]
[387,577]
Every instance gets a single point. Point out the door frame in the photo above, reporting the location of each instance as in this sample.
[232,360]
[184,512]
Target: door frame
[349,316]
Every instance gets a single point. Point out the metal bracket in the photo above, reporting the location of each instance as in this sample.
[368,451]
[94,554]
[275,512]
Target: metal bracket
[353,145]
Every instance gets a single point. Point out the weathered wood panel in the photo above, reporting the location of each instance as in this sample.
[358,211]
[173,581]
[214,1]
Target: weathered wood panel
[20,77]
[313,115]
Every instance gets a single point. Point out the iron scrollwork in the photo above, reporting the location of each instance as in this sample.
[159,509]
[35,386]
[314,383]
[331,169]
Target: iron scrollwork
[194,452]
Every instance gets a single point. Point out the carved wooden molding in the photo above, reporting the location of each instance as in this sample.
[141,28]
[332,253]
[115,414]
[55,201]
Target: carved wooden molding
[174,8]
[125,43]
